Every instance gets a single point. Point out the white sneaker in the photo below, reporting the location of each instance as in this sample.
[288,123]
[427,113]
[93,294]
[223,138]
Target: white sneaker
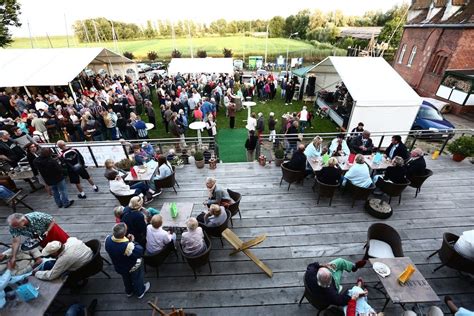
[147,287]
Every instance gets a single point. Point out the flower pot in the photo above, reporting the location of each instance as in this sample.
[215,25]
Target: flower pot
[200,163]
[279,161]
[458,157]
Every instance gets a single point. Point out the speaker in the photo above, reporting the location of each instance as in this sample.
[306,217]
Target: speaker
[311,86]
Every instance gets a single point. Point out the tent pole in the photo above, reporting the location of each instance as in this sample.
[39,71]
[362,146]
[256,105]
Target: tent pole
[27,91]
[73,93]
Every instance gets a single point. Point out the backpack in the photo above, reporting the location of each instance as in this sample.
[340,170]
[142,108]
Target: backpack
[72,160]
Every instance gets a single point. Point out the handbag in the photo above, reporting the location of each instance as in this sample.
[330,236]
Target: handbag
[27,292]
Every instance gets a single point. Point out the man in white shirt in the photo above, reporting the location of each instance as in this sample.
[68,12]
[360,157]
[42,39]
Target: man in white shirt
[120,188]
[252,122]
[41,105]
[156,237]
[303,117]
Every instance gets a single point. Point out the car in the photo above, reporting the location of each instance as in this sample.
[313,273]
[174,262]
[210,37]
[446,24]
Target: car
[431,124]
[143,67]
[262,72]
[161,73]
[238,64]
[282,75]
[157,65]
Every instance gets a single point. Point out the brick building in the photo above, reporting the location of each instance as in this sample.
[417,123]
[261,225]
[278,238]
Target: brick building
[439,36]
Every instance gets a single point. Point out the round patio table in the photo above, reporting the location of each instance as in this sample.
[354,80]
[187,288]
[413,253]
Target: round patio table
[198,126]
[149,126]
[249,104]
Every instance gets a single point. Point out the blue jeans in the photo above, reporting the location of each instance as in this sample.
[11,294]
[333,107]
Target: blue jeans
[60,193]
[140,187]
[5,193]
[133,282]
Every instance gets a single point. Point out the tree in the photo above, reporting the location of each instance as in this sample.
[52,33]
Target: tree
[227,52]
[176,54]
[276,27]
[218,27]
[393,29]
[149,31]
[201,54]
[129,55]
[9,11]
[152,55]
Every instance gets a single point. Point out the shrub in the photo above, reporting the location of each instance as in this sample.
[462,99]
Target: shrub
[201,53]
[227,53]
[463,145]
[198,156]
[125,164]
[129,55]
[176,54]
[279,153]
[152,55]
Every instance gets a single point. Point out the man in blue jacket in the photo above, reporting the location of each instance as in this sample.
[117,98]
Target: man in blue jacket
[127,260]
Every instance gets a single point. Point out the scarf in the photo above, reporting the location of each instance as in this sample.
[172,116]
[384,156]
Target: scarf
[210,191]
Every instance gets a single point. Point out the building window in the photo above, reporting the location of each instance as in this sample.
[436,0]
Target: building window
[439,63]
[402,53]
[412,56]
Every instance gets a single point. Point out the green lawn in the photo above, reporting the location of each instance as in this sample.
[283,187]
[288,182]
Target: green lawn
[212,45]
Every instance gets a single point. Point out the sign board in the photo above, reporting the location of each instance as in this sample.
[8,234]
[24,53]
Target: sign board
[101,153]
[255,62]
[280,61]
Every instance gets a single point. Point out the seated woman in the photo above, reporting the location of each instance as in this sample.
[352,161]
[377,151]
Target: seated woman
[156,237]
[119,187]
[148,148]
[396,173]
[216,216]
[134,215]
[358,304]
[217,195]
[315,148]
[140,156]
[192,241]
[164,168]
[330,174]
[359,173]
[110,167]
[416,165]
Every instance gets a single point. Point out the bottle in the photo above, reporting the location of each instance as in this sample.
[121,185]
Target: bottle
[133,172]
[435,155]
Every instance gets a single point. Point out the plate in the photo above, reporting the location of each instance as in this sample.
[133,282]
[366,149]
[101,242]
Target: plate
[381,269]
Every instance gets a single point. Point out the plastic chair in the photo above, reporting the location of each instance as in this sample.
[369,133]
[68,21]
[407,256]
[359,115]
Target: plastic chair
[291,176]
[157,260]
[393,189]
[313,300]
[417,181]
[325,190]
[234,208]
[450,257]
[123,199]
[217,231]
[385,233]
[358,193]
[201,259]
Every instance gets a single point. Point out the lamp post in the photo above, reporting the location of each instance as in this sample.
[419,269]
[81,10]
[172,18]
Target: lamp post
[287,50]
[266,44]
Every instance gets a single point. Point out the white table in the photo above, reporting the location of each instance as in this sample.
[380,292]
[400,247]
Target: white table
[249,104]
[198,126]
[184,212]
[144,173]
[149,126]
[317,163]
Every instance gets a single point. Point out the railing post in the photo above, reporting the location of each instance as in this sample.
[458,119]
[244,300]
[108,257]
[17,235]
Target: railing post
[93,157]
[444,145]
[125,151]
[380,143]
[414,141]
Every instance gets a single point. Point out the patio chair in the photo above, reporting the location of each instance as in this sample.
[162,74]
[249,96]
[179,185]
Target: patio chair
[450,257]
[17,199]
[325,190]
[383,241]
[91,268]
[157,260]
[217,231]
[417,181]
[291,176]
[123,199]
[358,193]
[393,189]
[199,260]
[168,182]
[312,299]
[234,208]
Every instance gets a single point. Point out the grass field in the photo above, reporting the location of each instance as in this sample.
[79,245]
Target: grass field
[212,45]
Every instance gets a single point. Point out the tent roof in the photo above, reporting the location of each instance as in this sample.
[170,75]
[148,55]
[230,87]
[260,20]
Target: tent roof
[371,81]
[51,66]
[301,72]
[201,65]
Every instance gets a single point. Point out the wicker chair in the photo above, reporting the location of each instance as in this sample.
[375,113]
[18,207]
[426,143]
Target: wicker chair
[313,300]
[234,208]
[123,199]
[199,260]
[168,182]
[417,181]
[17,199]
[325,190]
[217,231]
[450,257]
[157,260]
[393,189]
[291,176]
[387,234]
[358,193]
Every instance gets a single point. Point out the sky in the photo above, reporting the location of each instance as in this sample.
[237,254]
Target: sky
[51,16]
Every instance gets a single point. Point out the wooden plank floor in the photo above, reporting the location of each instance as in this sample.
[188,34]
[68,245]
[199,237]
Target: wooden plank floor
[299,231]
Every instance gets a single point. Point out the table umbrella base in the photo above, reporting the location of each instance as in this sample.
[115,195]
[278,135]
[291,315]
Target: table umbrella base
[378,208]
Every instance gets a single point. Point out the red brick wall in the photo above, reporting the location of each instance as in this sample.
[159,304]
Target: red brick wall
[463,57]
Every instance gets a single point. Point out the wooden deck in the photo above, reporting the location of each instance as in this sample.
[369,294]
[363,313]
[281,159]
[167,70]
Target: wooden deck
[299,232]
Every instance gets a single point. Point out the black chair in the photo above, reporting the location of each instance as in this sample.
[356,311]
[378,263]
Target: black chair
[234,208]
[199,260]
[123,199]
[313,300]
[168,182]
[157,260]
[450,257]
[358,193]
[17,199]
[385,233]
[291,176]
[393,189]
[417,181]
[217,231]
[91,268]
[325,190]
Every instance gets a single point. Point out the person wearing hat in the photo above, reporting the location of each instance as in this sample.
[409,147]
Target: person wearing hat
[69,256]
[148,148]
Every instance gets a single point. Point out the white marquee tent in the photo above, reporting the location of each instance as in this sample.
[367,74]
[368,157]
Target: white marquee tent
[57,66]
[382,99]
[200,65]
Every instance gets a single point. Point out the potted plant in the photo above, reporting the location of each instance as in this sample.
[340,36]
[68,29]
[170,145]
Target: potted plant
[199,159]
[462,147]
[279,156]
[125,164]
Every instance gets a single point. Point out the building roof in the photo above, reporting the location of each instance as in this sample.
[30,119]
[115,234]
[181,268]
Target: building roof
[441,12]
[301,72]
[51,66]
[360,32]
[201,65]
